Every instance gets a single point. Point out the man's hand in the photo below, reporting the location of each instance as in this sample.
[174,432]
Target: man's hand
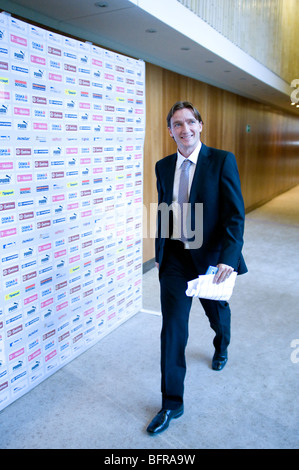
[224,271]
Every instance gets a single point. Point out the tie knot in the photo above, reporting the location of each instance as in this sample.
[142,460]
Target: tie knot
[186,165]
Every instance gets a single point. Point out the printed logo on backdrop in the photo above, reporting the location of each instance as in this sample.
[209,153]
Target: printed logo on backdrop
[72,123]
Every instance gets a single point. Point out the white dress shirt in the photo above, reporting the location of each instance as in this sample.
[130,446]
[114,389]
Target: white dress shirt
[180,159]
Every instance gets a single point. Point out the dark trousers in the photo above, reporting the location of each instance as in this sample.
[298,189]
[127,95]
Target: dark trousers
[177,270]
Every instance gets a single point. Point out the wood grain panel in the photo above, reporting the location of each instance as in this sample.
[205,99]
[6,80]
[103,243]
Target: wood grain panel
[267,156]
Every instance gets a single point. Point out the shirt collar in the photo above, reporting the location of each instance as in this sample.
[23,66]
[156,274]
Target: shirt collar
[193,157]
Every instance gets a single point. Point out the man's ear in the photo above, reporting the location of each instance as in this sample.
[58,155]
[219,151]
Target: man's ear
[170,132]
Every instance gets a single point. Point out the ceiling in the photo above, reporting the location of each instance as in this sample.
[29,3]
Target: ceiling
[124,27]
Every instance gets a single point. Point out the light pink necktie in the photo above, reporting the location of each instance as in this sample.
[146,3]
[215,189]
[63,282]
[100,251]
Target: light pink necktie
[183,196]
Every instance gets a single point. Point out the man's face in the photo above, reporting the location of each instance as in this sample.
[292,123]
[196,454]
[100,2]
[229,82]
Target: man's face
[185,129]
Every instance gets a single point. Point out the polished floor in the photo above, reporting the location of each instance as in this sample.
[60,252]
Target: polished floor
[105,398]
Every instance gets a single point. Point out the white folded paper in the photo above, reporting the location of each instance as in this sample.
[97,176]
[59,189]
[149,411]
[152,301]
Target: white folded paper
[204,288]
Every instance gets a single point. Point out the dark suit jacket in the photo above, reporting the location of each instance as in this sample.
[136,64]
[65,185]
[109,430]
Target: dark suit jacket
[216,184]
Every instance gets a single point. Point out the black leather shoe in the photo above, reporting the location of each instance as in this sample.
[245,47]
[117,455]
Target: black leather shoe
[163,418]
[219,361]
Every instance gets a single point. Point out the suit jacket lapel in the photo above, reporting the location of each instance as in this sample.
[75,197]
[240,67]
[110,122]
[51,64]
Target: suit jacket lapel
[198,179]
[200,172]
[169,178]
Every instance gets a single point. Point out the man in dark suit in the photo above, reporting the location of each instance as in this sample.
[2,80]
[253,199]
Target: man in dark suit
[212,183]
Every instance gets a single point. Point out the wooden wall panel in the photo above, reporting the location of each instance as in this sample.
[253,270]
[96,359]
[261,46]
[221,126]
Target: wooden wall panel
[267,156]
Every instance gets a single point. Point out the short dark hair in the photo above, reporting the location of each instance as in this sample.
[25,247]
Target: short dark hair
[182,105]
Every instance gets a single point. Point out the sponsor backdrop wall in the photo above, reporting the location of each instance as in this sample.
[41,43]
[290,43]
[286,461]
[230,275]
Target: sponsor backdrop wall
[72,122]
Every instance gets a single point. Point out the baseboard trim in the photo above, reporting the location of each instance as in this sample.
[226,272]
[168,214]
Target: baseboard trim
[148,265]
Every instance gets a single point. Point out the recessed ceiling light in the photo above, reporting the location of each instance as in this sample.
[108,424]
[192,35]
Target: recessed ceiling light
[101,4]
[293,104]
[151,30]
